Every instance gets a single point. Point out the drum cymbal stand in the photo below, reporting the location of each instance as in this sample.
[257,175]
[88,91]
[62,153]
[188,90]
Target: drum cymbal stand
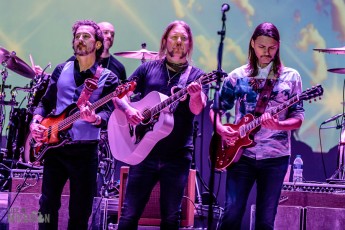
[3,153]
[4,75]
[339,175]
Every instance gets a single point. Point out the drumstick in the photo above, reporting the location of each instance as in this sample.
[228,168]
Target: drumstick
[32,62]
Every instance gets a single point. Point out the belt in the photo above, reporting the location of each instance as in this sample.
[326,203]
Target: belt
[82,142]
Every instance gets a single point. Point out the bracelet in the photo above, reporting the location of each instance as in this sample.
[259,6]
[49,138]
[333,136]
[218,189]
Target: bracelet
[97,121]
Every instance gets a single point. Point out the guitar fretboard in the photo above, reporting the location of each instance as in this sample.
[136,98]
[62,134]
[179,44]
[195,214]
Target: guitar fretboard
[65,123]
[203,79]
[257,121]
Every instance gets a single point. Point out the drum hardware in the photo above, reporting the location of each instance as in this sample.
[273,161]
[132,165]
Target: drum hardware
[339,175]
[4,75]
[340,50]
[337,70]
[106,186]
[10,61]
[143,54]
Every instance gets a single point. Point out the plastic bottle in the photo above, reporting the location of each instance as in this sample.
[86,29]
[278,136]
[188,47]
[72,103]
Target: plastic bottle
[298,169]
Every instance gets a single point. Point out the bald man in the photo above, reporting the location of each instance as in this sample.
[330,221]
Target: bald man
[108,60]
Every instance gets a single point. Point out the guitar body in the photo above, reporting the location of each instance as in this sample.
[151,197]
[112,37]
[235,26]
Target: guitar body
[54,136]
[228,154]
[57,125]
[51,120]
[132,144]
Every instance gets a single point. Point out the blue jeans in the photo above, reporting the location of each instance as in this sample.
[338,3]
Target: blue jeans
[269,175]
[172,175]
[78,163]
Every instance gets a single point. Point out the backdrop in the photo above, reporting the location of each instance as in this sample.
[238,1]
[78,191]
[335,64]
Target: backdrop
[43,29]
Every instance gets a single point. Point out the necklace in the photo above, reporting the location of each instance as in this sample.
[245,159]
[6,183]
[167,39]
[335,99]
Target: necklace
[170,78]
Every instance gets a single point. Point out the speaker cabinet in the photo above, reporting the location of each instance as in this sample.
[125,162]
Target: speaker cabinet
[151,215]
[309,206]
[288,217]
[325,218]
[21,212]
[33,181]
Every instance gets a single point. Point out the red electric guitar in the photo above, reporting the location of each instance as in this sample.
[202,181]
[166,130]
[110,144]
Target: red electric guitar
[226,154]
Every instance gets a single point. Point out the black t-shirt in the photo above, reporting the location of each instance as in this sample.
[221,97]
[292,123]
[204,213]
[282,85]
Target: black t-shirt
[153,76]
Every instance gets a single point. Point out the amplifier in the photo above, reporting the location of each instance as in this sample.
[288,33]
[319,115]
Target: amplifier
[313,194]
[314,187]
[33,182]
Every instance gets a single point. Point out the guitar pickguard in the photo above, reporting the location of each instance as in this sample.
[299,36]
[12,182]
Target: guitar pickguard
[142,129]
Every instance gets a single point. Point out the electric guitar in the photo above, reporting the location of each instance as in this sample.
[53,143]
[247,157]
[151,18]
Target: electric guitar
[131,144]
[57,125]
[228,154]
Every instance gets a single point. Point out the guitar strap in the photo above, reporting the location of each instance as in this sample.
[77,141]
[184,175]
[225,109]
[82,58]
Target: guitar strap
[265,93]
[181,84]
[90,85]
[264,97]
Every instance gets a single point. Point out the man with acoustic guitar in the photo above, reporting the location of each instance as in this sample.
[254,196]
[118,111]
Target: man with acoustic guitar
[170,159]
[74,157]
[252,90]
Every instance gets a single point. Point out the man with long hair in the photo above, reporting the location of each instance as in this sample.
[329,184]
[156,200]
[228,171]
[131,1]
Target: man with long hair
[169,161]
[265,163]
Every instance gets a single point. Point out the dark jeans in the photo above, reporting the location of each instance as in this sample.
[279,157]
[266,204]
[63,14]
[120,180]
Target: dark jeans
[78,163]
[172,175]
[269,176]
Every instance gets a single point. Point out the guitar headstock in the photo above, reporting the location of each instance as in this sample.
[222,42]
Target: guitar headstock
[123,89]
[209,78]
[313,92]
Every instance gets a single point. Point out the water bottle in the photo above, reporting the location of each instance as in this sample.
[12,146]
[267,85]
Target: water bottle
[298,169]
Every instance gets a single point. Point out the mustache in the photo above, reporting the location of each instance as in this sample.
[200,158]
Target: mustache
[81,43]
[267,56]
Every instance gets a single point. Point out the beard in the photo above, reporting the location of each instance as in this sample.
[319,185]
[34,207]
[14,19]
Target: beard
[81,49]
[173,53]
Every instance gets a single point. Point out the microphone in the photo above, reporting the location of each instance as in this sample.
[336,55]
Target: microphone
[225,7]
[335,117]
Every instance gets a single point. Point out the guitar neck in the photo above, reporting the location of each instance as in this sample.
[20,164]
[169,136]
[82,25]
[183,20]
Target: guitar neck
[176,96]
[274,111]
[75,116]
[203,80]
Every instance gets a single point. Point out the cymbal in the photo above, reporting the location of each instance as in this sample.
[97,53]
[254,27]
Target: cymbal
[340,50]
[143,54]
[337,70]
[16,64]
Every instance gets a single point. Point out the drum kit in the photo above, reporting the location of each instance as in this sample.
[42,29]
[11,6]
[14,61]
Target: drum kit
[339,174]
[18,116]
[18,149]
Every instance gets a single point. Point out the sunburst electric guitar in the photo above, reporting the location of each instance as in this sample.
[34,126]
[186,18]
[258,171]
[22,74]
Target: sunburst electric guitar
[57,125]
[131,144]
[228,154]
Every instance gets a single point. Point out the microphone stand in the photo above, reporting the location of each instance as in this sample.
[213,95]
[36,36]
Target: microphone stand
[216,107]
